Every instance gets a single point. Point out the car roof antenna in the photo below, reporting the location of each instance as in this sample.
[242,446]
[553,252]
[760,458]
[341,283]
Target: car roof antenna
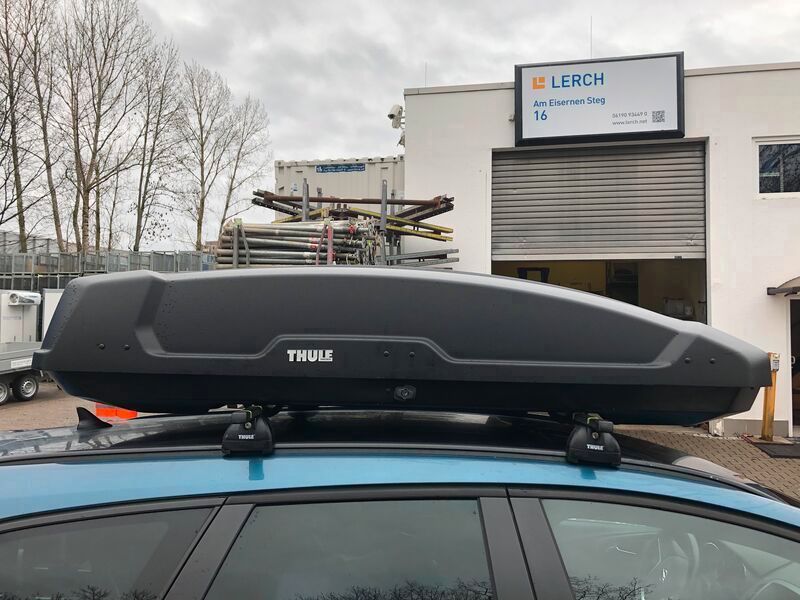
[591,441]
[249,433]
[88,420]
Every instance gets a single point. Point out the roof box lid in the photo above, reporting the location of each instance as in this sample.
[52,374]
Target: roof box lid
[388,338]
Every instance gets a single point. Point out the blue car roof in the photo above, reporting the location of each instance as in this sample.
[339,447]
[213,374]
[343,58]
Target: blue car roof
[36,487]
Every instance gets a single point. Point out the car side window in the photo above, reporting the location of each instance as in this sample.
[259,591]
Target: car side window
[129,557]
[414,549]
[615,551]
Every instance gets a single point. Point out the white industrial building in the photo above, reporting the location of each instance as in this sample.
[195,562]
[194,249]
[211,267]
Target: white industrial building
[693,219]
[344,178]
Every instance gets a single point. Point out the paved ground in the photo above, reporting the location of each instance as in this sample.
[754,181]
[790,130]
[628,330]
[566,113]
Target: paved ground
[54,408]
[782,474]
[51,408]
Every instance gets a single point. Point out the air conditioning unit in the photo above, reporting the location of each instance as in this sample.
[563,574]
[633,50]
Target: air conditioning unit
[24,298]
[19,316]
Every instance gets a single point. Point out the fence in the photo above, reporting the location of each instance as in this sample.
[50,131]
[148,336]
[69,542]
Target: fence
[37,271]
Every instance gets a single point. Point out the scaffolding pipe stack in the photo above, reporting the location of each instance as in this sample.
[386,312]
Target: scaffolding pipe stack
[302,243]
[337,231]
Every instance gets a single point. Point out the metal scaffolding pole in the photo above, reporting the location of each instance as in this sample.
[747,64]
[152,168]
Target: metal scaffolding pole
[305,199]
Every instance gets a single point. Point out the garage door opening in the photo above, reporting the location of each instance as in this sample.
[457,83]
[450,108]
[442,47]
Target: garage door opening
[676,288]
[640,202]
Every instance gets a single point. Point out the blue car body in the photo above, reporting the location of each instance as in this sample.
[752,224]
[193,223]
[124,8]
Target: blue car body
[62,485]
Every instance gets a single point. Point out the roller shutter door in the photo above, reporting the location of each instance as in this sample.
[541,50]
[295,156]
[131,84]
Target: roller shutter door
[625,201]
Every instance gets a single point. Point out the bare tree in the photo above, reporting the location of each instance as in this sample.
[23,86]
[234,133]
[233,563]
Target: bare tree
[207,134]
[249,153]
[103,132]
[112,208]
[76,207]
[8,210]
[40,67]
[13,45]
[160,140]
[105,43]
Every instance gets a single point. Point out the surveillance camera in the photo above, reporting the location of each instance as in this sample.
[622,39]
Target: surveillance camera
[396,115]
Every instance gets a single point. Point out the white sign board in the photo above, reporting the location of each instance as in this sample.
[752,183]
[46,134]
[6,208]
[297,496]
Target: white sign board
[622,98]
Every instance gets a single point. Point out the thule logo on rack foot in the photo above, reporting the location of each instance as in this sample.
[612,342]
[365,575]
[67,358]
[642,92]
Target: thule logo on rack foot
[310,355]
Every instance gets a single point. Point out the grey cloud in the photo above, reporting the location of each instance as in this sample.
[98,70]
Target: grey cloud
[328,71]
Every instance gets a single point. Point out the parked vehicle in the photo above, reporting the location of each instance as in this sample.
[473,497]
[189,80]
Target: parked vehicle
[16,375]
[364,463]
[19,321]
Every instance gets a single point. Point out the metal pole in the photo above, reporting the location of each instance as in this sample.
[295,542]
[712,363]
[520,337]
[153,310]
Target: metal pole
[319,195]
[235,247]
[768,419]
[240,228]
[394,249]
[330,245]
[305,199]
[384,203]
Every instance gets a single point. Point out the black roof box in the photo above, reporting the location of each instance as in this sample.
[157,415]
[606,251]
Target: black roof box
[388,338]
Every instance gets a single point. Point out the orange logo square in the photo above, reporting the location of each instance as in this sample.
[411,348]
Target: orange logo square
[537,83]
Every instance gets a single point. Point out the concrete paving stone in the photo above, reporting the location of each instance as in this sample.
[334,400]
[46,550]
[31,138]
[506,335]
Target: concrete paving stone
[51,408]
[734,453]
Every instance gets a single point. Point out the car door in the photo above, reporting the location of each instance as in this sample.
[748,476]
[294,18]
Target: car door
[603,546]
[366,543]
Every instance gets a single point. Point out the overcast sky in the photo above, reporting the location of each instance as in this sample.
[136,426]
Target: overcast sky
[329,71]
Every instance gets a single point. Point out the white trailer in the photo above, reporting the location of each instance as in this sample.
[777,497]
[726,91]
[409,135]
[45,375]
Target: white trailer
[19,313]
[17,379]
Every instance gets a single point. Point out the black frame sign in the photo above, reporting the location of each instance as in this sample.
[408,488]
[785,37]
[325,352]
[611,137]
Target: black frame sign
[626,98]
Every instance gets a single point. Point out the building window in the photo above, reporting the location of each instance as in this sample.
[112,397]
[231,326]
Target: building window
[778,168]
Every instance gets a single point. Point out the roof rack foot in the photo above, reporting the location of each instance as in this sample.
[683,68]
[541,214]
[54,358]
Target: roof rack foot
[591,441]
[249,433]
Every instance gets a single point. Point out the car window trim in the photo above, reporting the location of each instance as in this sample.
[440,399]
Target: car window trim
[548,572]
[207,557]
[113,510]
[674,505]
[189,551]
[511,579]
[367,492]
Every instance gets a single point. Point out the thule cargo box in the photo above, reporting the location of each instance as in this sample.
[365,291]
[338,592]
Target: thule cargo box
[388,338]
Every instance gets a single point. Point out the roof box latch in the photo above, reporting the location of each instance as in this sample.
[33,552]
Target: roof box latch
[249,433]
[591,441]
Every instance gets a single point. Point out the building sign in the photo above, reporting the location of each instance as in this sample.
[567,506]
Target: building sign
[341,168]
[621,98]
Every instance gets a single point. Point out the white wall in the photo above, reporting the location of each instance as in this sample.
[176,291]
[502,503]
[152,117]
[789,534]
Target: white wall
[449,141]
[752,240]
[450,133]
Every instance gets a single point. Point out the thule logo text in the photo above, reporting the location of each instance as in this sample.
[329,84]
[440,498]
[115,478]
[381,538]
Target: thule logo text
[310,355]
